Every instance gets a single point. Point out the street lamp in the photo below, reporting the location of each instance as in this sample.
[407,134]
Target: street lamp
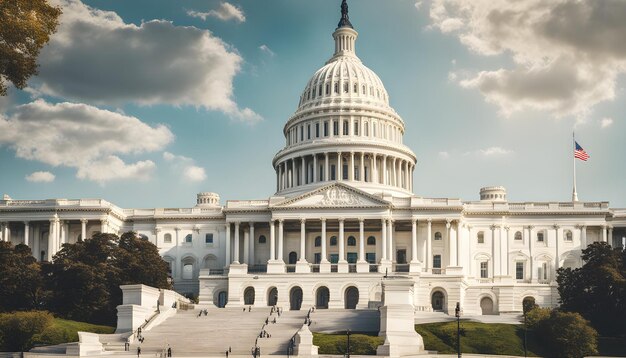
[457,314]
[348,349]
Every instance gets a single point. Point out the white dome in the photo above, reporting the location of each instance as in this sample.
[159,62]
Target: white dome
[346,78]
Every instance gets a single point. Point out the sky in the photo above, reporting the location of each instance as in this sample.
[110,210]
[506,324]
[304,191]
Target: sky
[145,103]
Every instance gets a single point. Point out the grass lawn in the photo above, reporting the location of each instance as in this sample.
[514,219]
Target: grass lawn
[361,343]
[63,331]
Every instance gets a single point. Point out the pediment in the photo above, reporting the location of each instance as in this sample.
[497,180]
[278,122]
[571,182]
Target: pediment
[335,195]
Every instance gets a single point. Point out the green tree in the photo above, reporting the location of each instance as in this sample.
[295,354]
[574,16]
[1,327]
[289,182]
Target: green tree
[18,330]
[597,289]
[26,28]
[139,261]
[564,334]
[21,285]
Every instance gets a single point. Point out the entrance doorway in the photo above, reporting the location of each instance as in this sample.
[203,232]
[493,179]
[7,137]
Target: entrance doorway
[486,306]
[248,296]
[272,296]
[295,299]
[351,298]
[401,256]
[321,297]
[437,300]
[222,299]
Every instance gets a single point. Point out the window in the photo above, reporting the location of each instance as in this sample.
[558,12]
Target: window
[437,261]
[484,273]
[356,128]
[333,175]
[363,89]
[334,258]
[301,133]
[333,241]
[518,236]
[336,87]
[370,257]
[543,271]
[308,131]
[326,129]
[189,238]
[351,257]
[318,241]
[314,91]
[317,130]
[345,171]
[366,129]
[167,238]
[519,270]
[481,237]
[355,88]
[345,128]
[328,88]
[208,238]
[320,92]
[351,241]
[345,87]
[371,240]
[262,239]
[568,236]
[317,258]
[335,127]
[540,236]
[437,236]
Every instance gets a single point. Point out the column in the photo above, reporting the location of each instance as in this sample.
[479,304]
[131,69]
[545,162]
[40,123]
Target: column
[493,250]
[339,167]
[272,241]
[530,252]
[303,173]
[501,246]
[326,168]
[51,239]
[469,250]
[361,240]
[583,237]
[324,263]
[280,176]
[315,175]
[610,238]
[374,169]
[414,240]
[236,244]
[302,240]
[227,256]
[342,249]
[362,168]
[280,240]
[251,259]
[406,178]
[429,246]
[351,167]
[604,233]
[26,233]
[246,246]
[3,238]
[385,182]
[384,240]
[506,259]
[556,249]
[390,252]
[394,180]
[83,229]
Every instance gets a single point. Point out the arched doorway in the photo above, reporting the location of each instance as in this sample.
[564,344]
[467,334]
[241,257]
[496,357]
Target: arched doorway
[293,257]
[528,303]
[295,299]
[437,300]
[322,296]
[222,299]
[351,298]
[486,306]
[272,296]
[248,296]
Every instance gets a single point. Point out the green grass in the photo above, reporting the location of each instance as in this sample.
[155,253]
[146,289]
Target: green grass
[362,343]
[478,337]
[63,331]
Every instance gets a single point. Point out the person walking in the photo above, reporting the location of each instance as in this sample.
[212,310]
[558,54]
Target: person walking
[169,351]
[138,351]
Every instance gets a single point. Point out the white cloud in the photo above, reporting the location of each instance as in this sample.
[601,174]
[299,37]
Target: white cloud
[567,54]
[606,122]
[418,4]
[186,166]
[40,177]
[82,137]
[494,152]
[96,57]
[444,155]
[225,12]
[267,50]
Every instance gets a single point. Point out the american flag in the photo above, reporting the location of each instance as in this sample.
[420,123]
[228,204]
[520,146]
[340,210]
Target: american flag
[580,153]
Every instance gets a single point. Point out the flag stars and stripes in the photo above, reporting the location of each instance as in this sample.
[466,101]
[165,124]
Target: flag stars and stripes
[579,152]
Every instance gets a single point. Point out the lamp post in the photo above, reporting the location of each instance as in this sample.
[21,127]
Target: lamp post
[457,314]
[348,349]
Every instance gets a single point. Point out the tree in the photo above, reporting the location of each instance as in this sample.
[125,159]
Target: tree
[20,278]
[140,262]
[564,334]
[597,289]
[18,330]
[26,28]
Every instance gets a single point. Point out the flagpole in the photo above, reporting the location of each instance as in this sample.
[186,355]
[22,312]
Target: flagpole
[574,193]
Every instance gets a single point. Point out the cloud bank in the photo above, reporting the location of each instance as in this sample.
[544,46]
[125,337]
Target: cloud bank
[226,11]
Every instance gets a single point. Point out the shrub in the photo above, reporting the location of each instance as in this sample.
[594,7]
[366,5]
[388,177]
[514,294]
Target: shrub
[565,334]
[18,330]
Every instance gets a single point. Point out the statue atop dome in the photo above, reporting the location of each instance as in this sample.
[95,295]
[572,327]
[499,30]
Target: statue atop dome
[345,20]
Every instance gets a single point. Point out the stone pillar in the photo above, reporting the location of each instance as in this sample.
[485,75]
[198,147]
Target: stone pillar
[83,229]
[302,265]
[272,241]
[324,264]
[556,248]
[493,251]
[51,239]
[374,169]
[530,253]
[339,170]
[27,233]
[251,260]
[583,237]
[390,229]
[610,238]
[280,240]
[236,245]
[227,256]
[246,246]
[469,251]
[326,167]
[394,178]
[604,239]
[385,176]
[315,175]
[351,167]
[429,246]
[505,258]
[303,173]
[362,168]
[384,240]
[451,244]
[361,264]
[415,264]
[342,265]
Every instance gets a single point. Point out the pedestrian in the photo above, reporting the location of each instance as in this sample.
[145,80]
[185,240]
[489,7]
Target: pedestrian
[267,321]
[230,349]
[249,308]
[169,351]
[138,351]
[227,353]
[274,321]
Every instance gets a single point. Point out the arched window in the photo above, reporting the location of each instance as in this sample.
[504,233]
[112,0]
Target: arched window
[518,236]
[189,238]
[351,241]
[481,237]
[318,241]
[568,236]
[333,241]
[355,88]
[336,87]
[328,88]
[437,235]
[167,238]
[262,239]
[345,87]
[320,92]
[364,90]
[371,240]
[346,128]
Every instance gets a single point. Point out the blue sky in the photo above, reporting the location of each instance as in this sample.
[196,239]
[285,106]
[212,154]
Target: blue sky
[147,113]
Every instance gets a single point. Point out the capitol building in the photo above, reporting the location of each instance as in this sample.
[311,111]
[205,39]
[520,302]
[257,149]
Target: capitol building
[344,214]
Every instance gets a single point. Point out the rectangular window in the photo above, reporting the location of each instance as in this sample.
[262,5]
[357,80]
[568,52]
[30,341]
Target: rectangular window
[345,171]
[335,127]
[370,257]
[540,236]
[484,273]
[326,129]
[437,261]
[301,133]
[208,238]
[345,128]
[321,172]
[334,258]
[308,131]
[317,258]
[333,174]
[317,130]
[543,271]
[351,257]
[519,270]
[356,127]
